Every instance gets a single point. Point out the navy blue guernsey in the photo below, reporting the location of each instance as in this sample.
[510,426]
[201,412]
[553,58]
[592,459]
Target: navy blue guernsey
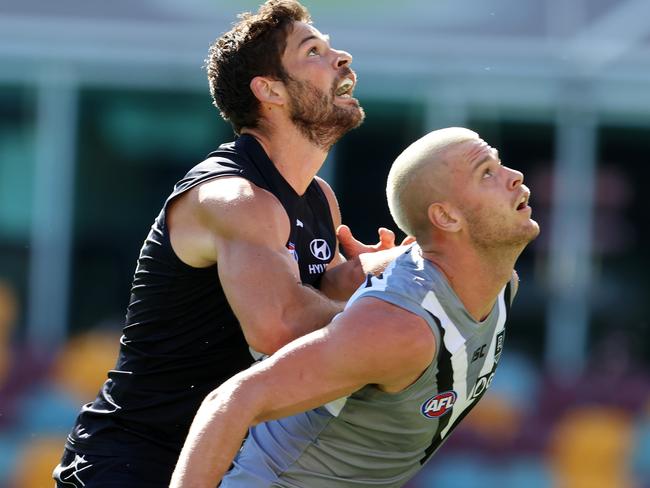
[181,338]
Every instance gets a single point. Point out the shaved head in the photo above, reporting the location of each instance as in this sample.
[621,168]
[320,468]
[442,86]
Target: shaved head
[420,176]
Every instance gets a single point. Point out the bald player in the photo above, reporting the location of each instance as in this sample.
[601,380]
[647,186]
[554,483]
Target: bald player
[413,352]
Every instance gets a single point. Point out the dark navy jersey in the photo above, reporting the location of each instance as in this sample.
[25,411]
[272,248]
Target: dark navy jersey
[181,338]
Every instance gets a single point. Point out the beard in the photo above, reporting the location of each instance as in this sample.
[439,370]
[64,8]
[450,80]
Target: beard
[489,231]
[316,115]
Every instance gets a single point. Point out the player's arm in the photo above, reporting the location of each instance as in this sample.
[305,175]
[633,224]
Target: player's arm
[244,229]
[372,342]
[342,276]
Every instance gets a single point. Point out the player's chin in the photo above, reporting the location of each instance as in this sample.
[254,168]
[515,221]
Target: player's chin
[356,114]
[532,229]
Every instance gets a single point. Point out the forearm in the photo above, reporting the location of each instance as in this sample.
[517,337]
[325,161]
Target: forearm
[310,310]
[285,316]
[341,281]
[214,439]
[376,262]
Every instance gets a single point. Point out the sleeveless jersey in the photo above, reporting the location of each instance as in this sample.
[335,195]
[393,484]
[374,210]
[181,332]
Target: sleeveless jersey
[378,439]
[181,338]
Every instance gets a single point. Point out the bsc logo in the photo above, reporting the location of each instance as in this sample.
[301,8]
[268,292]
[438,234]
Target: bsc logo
[320,249]
[439,405]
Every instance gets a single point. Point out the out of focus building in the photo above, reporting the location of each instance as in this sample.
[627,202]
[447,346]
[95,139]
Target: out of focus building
[104,105]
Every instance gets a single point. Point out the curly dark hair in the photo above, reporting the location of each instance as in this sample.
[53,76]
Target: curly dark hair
[253,47]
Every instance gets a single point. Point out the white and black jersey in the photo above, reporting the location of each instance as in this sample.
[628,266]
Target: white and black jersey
[373,438]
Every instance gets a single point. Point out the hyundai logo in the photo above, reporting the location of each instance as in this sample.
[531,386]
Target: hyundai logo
[320,249]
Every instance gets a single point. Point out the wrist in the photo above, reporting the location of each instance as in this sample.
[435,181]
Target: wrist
[375,262]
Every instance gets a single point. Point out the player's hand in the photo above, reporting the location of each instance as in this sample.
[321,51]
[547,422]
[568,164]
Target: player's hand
[352,247]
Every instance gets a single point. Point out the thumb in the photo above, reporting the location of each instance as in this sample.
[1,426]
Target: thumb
[349,245]
[344,235]
[386,238]
[343,232]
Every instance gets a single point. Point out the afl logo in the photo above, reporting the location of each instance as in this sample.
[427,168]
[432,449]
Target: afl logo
[439,405]
[320,249]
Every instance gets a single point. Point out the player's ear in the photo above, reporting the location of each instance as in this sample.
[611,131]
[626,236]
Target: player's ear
[444,216]
[268,90]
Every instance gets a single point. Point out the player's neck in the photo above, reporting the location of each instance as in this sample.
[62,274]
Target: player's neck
[296,158]
[476,280]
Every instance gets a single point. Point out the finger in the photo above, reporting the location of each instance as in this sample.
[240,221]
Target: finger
[343,232]
[408,240]
[386,238]
[344,235]
[348,242]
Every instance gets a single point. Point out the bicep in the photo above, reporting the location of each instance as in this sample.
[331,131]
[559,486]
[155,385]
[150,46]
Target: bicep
[372,342]
[249,229]
[256,278]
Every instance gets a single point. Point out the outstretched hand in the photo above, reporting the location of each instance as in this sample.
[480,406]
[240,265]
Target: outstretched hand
[352,247]
[341,280]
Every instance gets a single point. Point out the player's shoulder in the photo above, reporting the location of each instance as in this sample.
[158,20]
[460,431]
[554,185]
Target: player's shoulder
[324,185]
[407,274]
[403,284]
[328,191]
[382,314]
[232,193]
[231,203]
[399,340]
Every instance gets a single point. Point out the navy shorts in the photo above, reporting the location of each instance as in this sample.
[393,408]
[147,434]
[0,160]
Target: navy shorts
[88,471]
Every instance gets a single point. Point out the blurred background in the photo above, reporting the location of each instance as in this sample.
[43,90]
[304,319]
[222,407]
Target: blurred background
[104,106]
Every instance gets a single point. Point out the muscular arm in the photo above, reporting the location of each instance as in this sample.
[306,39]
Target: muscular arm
[372,342]
[244,229]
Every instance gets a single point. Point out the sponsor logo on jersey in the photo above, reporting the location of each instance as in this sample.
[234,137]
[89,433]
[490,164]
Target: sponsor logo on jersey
[320,249]
[291,247]
[479,353]
[316,268]
[498,345]
[439,405]
[481,385]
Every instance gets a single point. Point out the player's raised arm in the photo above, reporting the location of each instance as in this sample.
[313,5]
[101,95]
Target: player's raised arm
[245,229]
[372,342]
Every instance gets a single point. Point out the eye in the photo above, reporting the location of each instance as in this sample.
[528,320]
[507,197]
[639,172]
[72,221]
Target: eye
[487,173]
[313,51]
